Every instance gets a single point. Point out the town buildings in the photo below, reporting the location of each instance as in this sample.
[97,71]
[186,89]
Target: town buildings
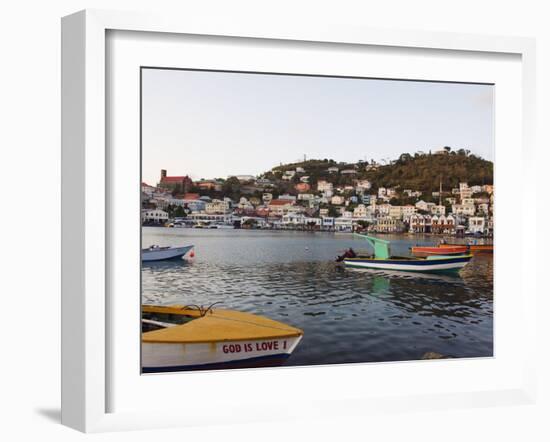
[320,204]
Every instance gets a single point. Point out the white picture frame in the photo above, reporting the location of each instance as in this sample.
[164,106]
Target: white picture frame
[85,217]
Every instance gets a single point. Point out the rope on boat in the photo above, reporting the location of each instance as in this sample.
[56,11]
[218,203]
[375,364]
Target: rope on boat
[202,311]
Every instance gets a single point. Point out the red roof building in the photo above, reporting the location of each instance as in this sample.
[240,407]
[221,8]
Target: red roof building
[180,183]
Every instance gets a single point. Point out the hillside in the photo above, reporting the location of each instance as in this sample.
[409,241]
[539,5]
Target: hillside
[423,172]
[418,172]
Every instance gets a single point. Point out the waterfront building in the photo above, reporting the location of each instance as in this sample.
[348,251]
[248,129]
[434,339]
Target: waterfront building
[360,211]
[387,224]
[157,216]
[328,222]
[178,183]
[419,223]
[443,224]
[476,224]
[343,224]
[280,207]
[217,207]
[313,222]
[223,218]
[292,220]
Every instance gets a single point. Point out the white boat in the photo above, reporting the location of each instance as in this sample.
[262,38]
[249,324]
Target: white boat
[157,253]
[224,226]
[178,338]
[383,260]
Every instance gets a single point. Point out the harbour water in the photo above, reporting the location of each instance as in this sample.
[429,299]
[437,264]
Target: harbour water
[348,315]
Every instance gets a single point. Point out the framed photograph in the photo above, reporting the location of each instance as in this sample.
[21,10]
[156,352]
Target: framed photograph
[285,216]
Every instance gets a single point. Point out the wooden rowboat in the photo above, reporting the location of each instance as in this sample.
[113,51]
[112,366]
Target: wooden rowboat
[449,251]
[178,338]
[383,260]
[472,248]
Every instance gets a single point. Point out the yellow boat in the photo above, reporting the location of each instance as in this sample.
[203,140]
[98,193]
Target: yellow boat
[178,338]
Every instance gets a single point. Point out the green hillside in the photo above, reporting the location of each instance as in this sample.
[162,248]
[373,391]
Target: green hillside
[415,172]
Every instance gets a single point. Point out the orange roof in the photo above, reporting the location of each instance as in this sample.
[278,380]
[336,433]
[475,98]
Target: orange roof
[278,202]
[191,196]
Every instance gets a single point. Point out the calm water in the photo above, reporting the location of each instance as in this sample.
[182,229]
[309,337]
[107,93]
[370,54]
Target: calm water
[347,315]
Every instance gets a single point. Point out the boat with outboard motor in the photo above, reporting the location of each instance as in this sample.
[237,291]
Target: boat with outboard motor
[383,260]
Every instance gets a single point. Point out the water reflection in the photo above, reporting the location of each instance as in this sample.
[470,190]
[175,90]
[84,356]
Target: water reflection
[348,315]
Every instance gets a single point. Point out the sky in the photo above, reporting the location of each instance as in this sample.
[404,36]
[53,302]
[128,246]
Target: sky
[217,124]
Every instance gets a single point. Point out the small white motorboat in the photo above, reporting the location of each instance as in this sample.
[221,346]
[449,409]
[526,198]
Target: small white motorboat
[157,253]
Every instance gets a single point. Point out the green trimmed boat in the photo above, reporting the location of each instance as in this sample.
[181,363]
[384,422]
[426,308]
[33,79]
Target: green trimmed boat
[383,260]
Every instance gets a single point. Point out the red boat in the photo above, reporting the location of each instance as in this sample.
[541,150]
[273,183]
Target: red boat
[447,250]
[472,248]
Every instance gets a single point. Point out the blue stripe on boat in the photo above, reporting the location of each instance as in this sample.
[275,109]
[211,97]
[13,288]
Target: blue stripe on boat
[260,361]
[419,262]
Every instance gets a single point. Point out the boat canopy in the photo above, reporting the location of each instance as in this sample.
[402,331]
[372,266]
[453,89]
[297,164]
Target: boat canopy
[381,247]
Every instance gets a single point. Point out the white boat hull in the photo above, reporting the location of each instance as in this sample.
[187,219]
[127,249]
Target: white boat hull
[162,357]
[431,264]
[162,254]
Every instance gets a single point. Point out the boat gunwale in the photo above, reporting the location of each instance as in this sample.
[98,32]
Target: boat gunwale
[212,341]
[433,259]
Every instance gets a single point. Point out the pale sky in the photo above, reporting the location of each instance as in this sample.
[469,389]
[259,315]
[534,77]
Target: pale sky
[215,124]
